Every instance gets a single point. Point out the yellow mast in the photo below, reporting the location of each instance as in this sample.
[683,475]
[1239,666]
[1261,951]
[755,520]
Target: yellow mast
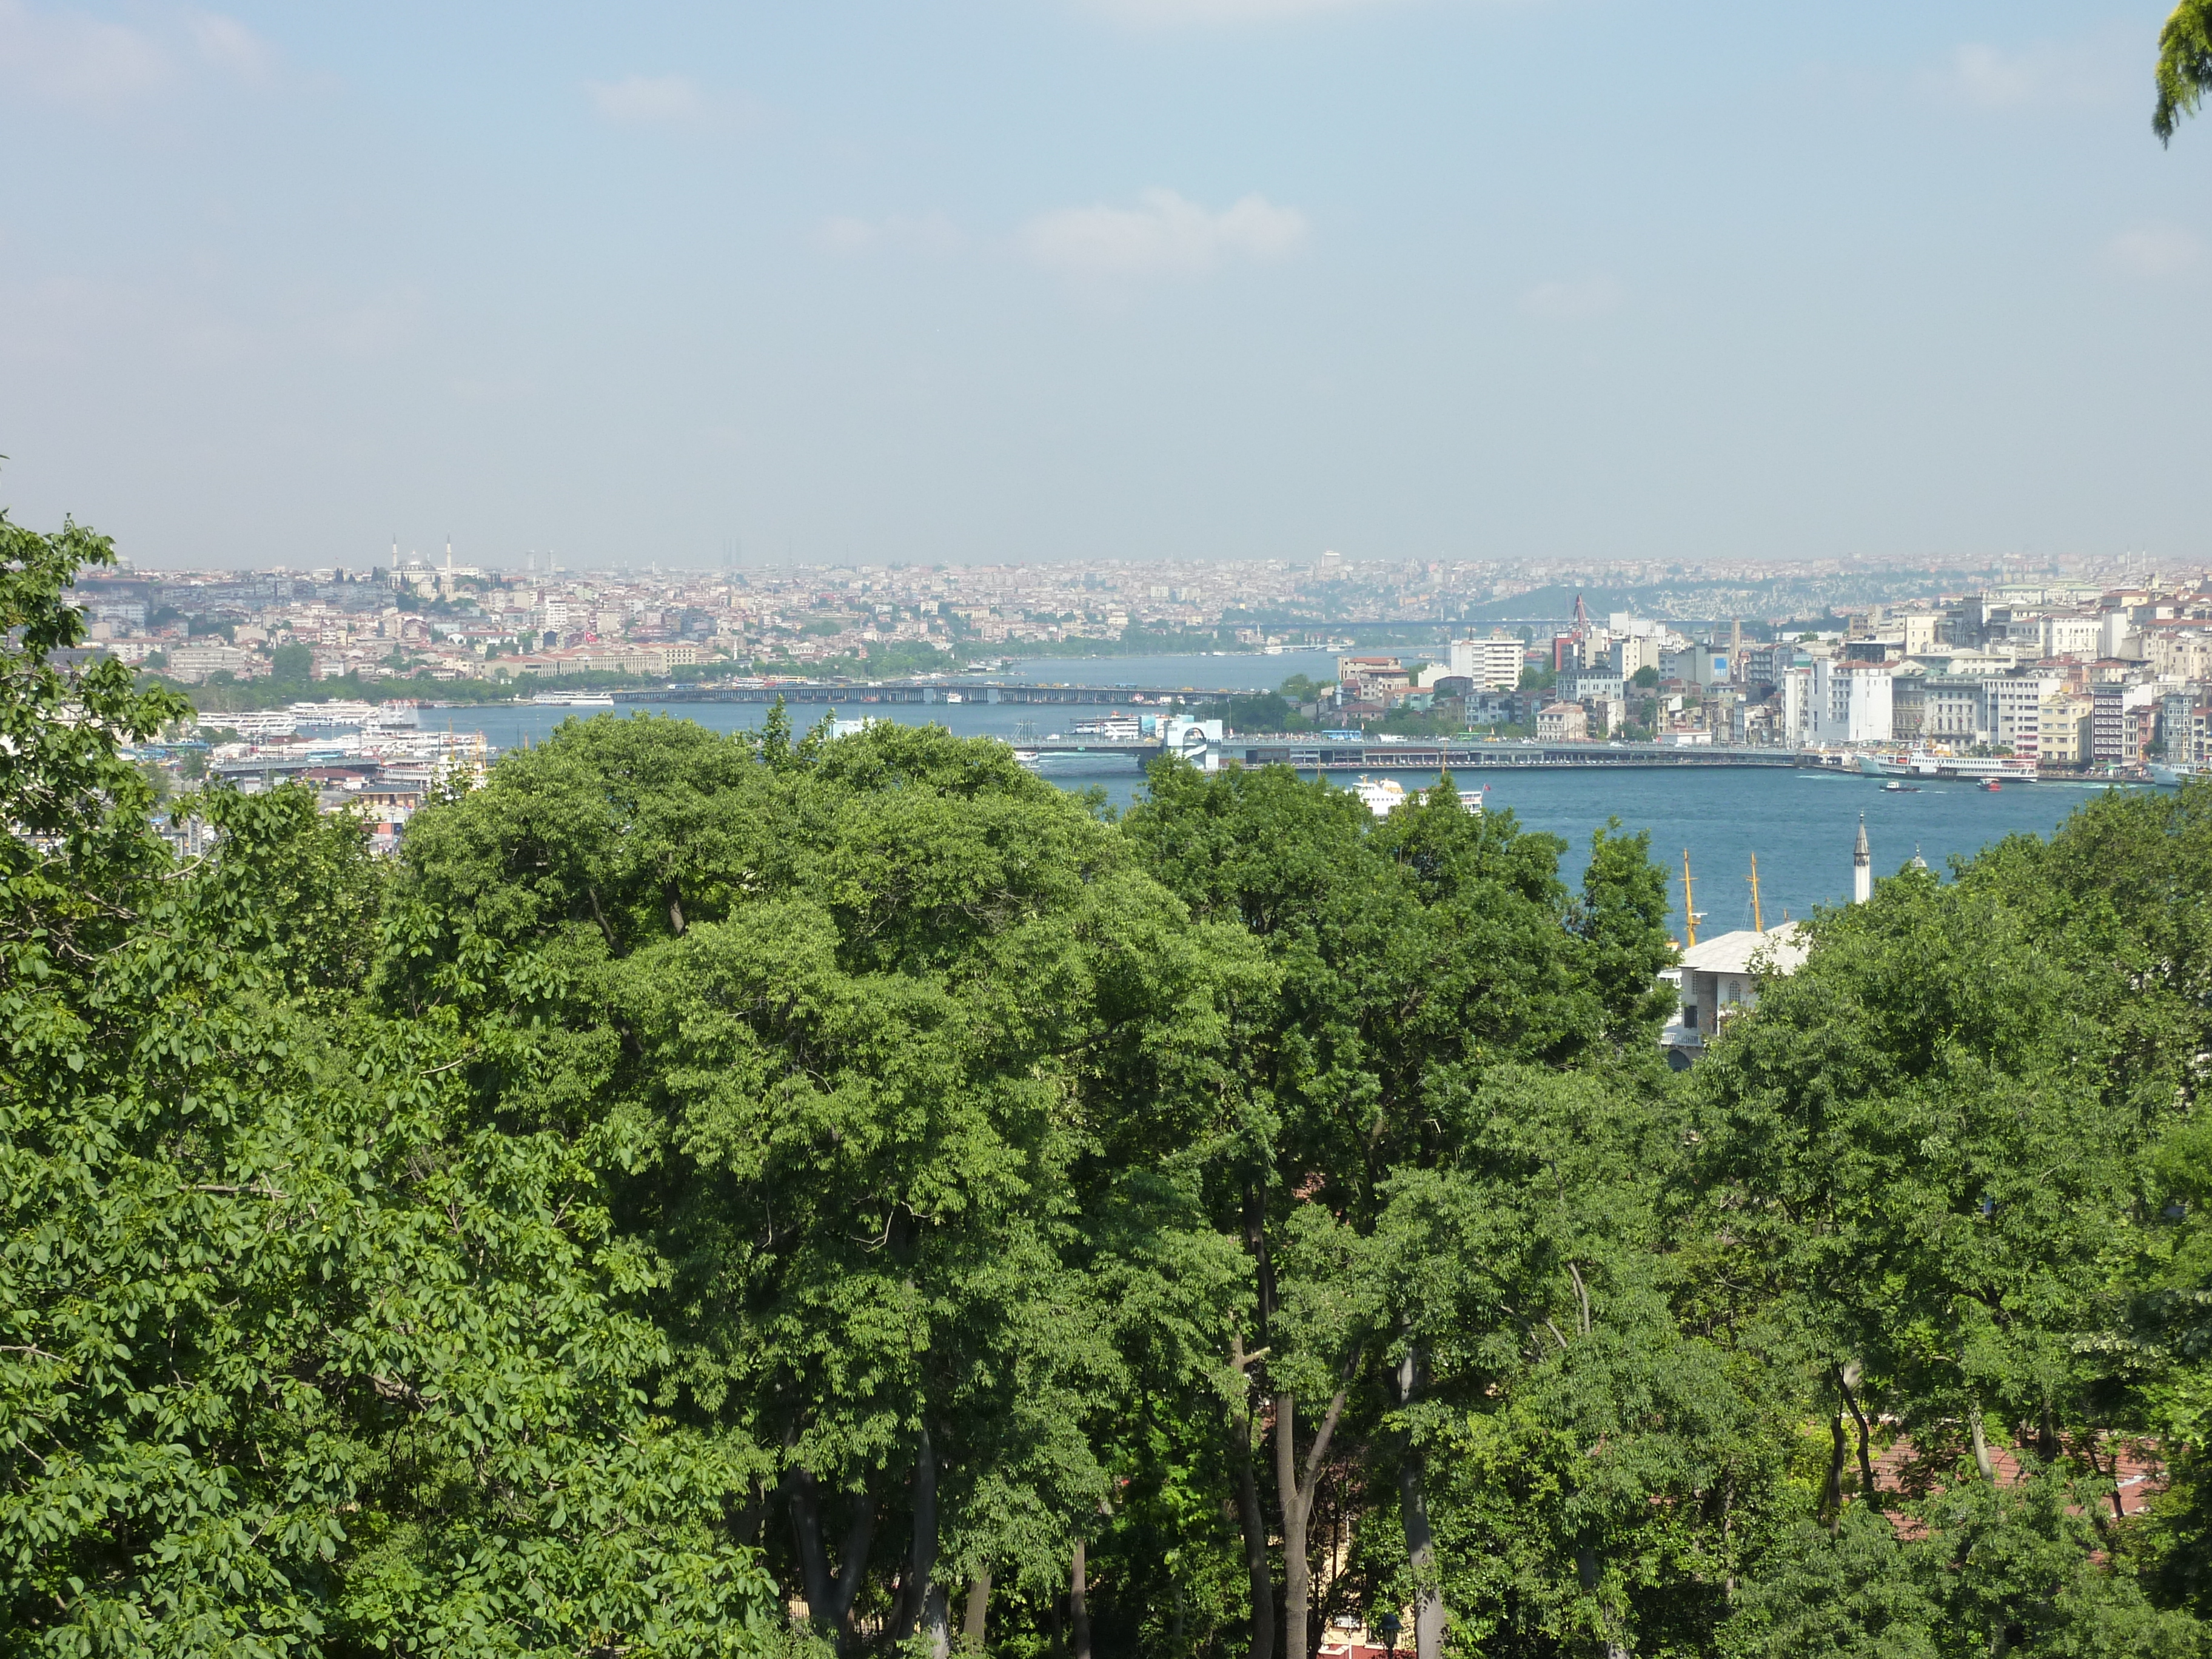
[1758,921]
[1689,902]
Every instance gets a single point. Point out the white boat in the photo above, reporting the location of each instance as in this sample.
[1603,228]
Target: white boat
[574,700]
[2174,777]
[1925,763]
[1382,796]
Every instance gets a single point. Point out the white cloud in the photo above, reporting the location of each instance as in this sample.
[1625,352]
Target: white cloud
[2043,75]
[1573,301]
[1156,14]
[226,44]
[1166,236]
[69,58]
[674,99]
[930,232]
[66,57]
[2157,250]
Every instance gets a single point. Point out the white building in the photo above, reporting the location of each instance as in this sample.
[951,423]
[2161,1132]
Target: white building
[1494,665]
[2069,636]
[1962,710]
[1851,702]
[194,663]
[1718,979]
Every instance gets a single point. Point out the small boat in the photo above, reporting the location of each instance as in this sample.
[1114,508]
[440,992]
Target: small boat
[1988,785]
[1893,788]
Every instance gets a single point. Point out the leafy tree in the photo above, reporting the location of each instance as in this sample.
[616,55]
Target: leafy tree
[1413,957]
[291,665]
[2184,66]
[300,1350]
[860,1016]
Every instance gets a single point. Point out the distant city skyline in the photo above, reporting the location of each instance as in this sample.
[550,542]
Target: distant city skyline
[1072,281]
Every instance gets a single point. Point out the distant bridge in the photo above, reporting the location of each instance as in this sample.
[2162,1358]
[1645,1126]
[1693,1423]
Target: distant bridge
[1308,754]
[857,694]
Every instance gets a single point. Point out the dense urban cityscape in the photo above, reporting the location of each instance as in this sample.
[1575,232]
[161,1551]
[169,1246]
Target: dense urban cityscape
[2098,673]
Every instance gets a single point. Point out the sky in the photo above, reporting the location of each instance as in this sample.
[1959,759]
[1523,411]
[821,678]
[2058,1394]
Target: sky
[990,280]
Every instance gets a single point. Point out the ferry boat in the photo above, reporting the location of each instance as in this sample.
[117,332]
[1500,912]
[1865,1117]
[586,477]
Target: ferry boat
[2173,777]
[1932,763]
[1118,726]
[1384,796]
[574,700]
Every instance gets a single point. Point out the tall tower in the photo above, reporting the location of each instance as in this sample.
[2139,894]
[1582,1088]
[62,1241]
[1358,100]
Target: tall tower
[1862,867]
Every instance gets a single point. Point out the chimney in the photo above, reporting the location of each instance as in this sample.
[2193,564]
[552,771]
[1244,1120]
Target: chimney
[1862,867]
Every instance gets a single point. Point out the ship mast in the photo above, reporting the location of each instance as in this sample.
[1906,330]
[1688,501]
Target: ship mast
[1758,921]
[1691,914]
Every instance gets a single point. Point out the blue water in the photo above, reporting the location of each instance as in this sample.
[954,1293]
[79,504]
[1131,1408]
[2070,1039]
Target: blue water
[1800,824]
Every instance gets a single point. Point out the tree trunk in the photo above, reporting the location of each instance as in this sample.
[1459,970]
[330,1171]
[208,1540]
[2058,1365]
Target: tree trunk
[921,1555]
[1832,1495]
[937,1625]
[1981,1441]
[1078,1607]
[1868,1492]
[1296,1499]
[1420,1540]
[1254,1525]
[852,1561]
[979,1607]
[806,1526]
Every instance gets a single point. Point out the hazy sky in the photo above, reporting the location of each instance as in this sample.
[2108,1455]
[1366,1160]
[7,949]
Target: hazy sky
[985,279]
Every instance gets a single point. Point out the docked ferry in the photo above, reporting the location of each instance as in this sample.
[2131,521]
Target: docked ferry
[1967,768]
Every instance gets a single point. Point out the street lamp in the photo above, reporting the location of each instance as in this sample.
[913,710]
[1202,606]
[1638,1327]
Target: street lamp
[1386,1627]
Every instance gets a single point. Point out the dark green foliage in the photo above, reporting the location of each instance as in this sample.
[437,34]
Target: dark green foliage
[710,1172]
[300,1350]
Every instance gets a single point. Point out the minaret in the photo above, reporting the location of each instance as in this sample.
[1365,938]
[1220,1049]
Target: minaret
[1862,867]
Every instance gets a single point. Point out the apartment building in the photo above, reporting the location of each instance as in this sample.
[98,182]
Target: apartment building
[1850,703]
[2063,734]
[1491,665]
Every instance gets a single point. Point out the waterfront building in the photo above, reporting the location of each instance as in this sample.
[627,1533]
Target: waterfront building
[1562,722]
[1850,703]
[2063,734]
[2120,711]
